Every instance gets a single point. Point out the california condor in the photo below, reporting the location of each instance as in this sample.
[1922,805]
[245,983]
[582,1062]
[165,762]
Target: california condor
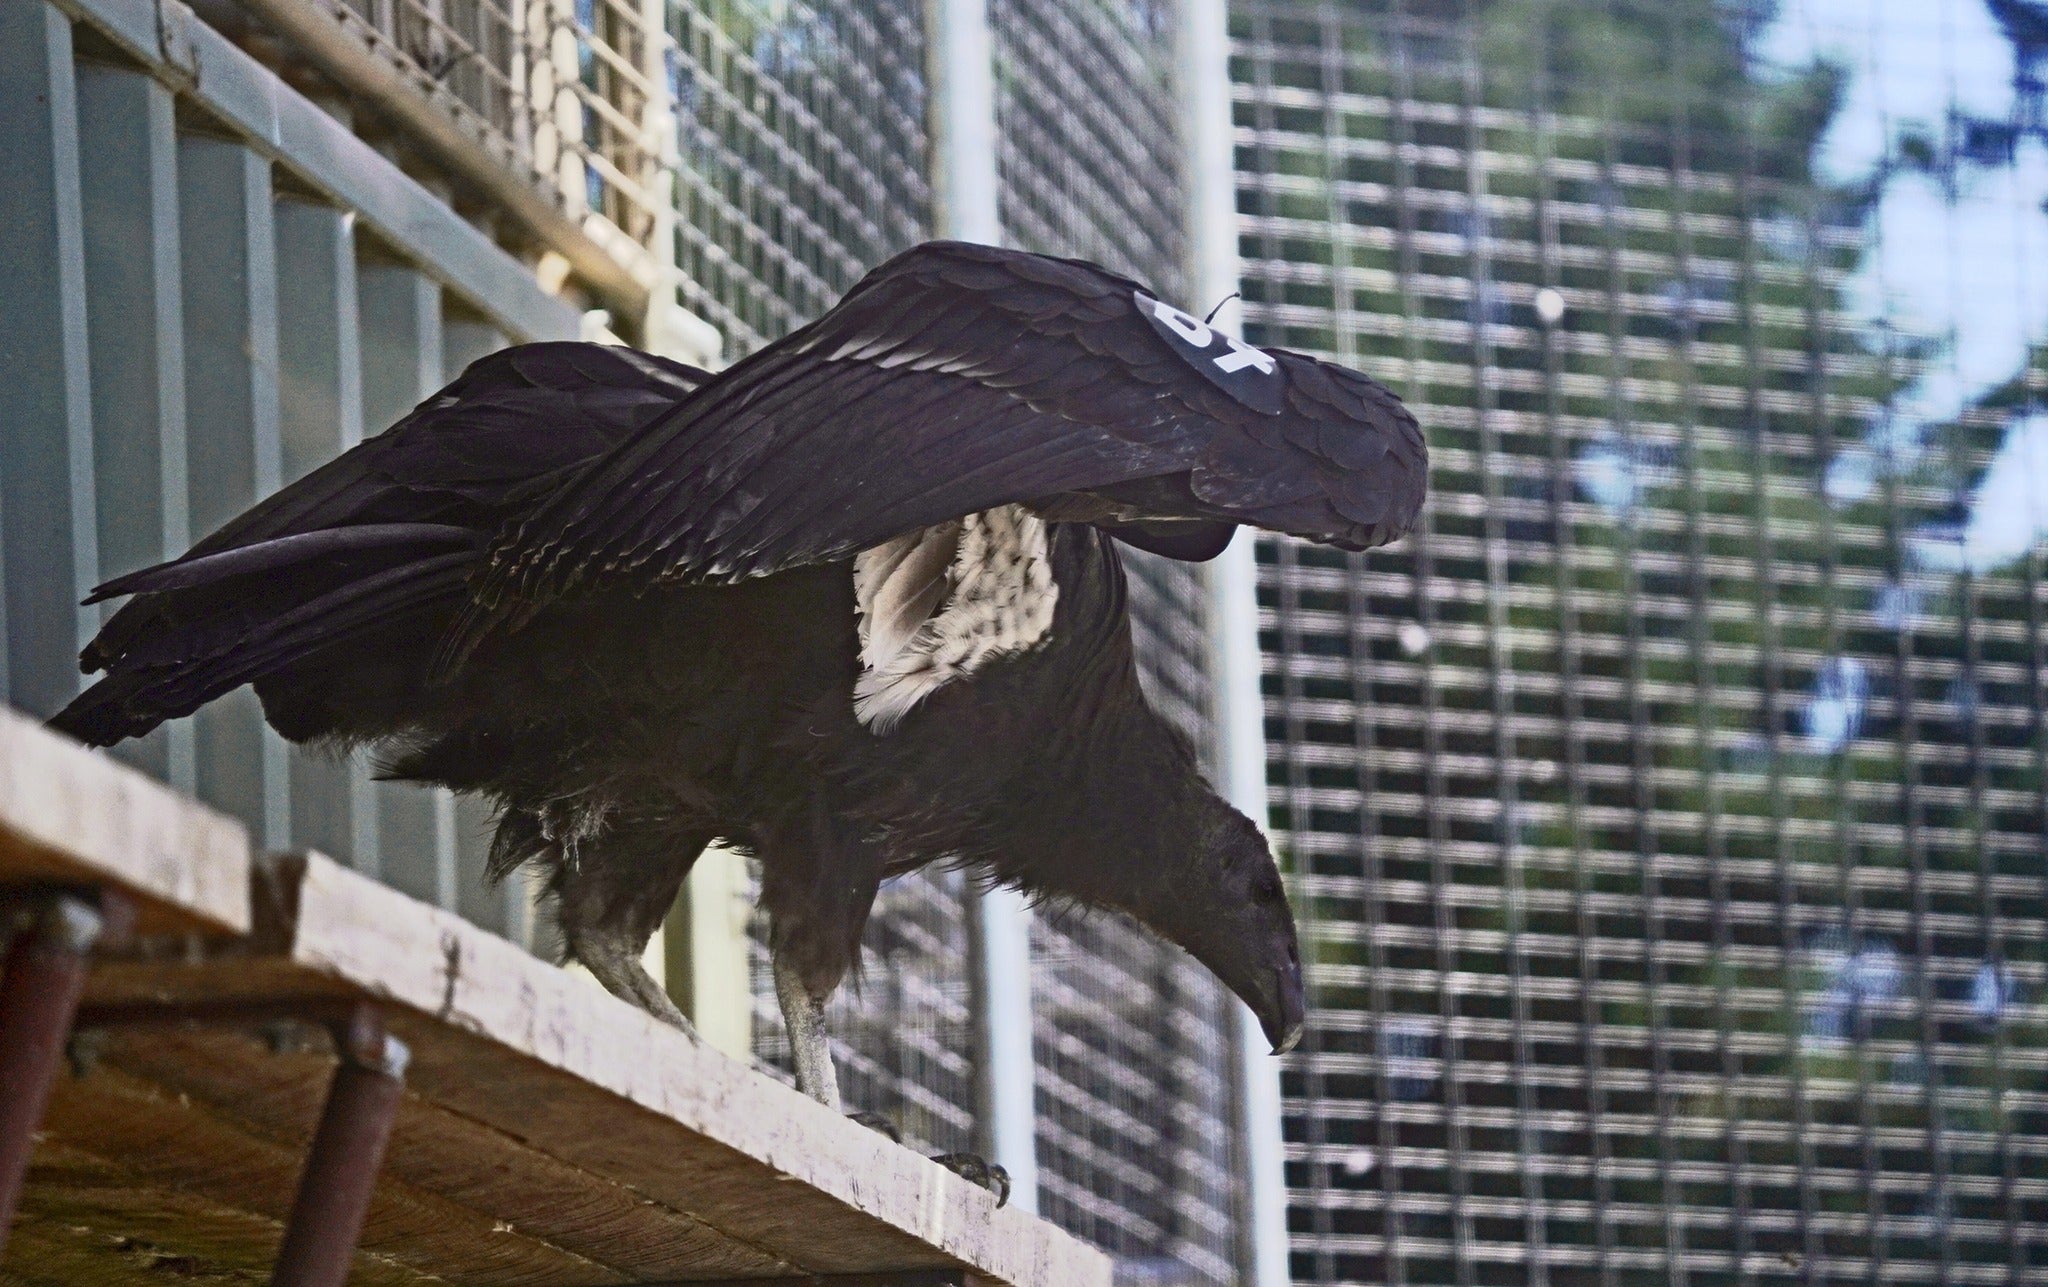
[853,605]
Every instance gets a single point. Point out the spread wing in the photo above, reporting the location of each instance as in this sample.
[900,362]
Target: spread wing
[956,378]
[443,479]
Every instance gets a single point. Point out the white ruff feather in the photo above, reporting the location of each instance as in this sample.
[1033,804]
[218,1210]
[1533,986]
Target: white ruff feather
[936,605]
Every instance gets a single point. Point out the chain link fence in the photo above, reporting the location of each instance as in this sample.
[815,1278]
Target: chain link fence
[1667,811]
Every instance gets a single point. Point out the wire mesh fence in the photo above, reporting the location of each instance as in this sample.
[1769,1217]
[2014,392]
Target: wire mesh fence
[1668,811]
[781,144]
[802,154]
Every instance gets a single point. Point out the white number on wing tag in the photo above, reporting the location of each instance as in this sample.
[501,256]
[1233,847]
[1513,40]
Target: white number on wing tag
[1252,376]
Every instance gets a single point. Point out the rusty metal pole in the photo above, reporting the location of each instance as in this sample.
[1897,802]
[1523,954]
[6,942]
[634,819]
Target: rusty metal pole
[45,975]
[341,1167]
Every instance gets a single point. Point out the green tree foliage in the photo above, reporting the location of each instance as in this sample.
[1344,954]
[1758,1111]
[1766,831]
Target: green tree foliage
[1714,707]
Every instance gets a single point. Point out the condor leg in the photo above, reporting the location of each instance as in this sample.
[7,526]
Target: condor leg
[803,1013]
[612,896]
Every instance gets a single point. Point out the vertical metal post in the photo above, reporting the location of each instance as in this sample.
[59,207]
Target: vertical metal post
[45,975]
[961,68]
[1005,1066]
[46,500]
[464,339]
[403,350]
[228,267]
[320,393]
[466,820]
[1205,91]
[341,1166]
[134,304]
[960,52]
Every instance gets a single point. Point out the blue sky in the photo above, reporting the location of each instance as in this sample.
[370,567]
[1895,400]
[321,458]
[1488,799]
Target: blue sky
[1963,260]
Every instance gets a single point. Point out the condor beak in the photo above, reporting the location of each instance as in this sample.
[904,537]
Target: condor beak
[1282,1011]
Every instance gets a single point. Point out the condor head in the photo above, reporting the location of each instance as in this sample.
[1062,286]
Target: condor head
[1223,902]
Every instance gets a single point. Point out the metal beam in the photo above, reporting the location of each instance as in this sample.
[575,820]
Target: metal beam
[228,265]
[403,350]
[348,1147]
[39,991]
[961,67]
[1213,273]
[320,396]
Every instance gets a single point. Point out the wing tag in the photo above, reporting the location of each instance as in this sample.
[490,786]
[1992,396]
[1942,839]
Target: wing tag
[1252,376]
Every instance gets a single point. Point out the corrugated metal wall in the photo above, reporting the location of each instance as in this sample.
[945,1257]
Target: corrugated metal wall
[1669,808]
[194,315]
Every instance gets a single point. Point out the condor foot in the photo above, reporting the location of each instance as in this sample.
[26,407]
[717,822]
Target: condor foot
[978,1170]
[877,1122]
[968,1166]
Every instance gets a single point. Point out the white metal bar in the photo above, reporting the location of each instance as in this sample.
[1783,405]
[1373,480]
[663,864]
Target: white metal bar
[1233,582]
[961,57]
[1204,76]
[1005,1065]
[963,120]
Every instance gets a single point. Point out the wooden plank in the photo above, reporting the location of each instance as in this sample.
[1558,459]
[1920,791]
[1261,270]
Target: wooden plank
[129,1151]
[550,1134]
[511,1214]
[69,814]
[88,1223]
[917,1278]
[509,1040]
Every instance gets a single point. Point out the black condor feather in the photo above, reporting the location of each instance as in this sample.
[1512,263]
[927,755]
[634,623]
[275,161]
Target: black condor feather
[641,608]
[952,379]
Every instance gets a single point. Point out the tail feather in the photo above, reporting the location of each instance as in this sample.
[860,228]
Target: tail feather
[278,554]
[205,662]
[372,550]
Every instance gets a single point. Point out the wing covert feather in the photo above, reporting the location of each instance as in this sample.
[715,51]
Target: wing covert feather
[956,378]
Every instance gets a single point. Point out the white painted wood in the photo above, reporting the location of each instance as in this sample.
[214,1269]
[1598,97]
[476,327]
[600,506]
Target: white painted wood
[599,1083]
[75,815]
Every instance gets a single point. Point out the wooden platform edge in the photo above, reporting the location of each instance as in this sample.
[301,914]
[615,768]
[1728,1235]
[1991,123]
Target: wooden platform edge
[72,815]
[842,1181]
